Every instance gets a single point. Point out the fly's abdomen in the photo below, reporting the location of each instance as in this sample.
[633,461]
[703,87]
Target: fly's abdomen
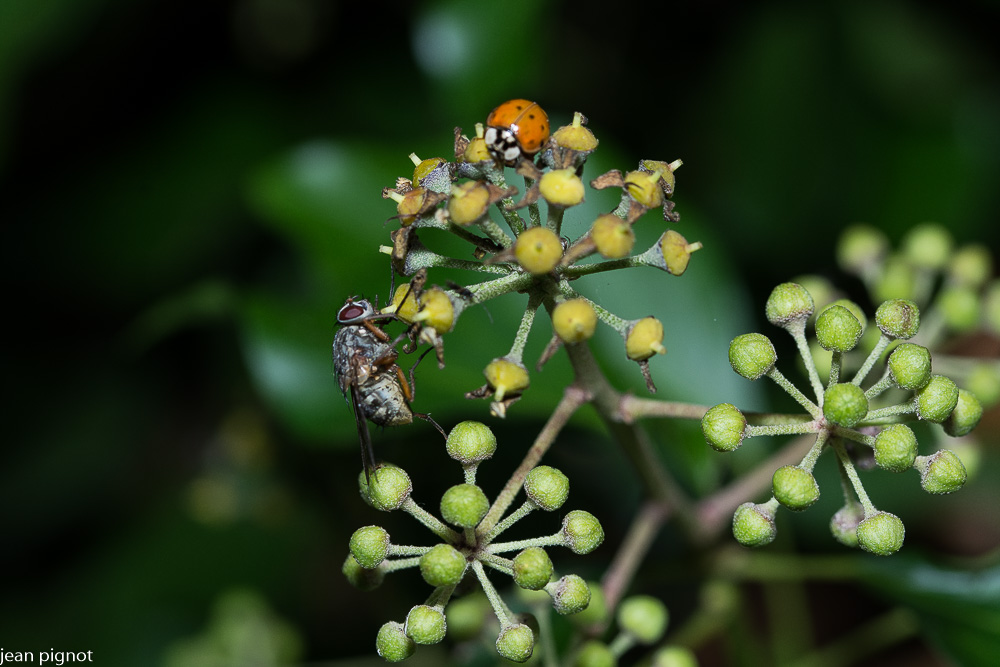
[383,401]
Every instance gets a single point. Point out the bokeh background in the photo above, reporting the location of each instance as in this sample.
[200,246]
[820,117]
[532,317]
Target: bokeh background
[190,190]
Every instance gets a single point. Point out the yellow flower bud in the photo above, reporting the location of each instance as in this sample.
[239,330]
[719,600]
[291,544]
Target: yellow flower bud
[476,151]
[538,250]
[469,202]
[409,307]
[666,171]
[561,187]
[424,167]
[575,137]
[506,377]
[676,251]
[645,339]
[574,320]
[436,310]
[612,236]
[645,188]
[410,205]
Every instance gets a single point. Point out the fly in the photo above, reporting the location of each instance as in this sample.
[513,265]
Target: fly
[364,359]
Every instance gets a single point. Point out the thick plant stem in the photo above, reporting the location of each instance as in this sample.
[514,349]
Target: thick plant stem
[641,533]
[635,442]
[573,398]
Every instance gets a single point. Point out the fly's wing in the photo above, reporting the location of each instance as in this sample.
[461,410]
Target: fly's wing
[364,437]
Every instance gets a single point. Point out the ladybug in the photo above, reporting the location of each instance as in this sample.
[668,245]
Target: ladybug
[516,128]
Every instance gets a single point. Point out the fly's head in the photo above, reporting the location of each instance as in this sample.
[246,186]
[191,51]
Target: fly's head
[355,312]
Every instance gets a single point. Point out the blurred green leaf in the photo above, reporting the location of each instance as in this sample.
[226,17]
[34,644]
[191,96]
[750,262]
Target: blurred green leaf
[959,609]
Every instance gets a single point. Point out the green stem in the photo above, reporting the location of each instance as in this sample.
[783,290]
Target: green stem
[809,460]
[891,411]
[876,352]
[798,331]
[572,399]
[631,408]
[518,514]
[498,563]
[524,328]
[880,386]
[553,540]
[430,521]
[405,550]
[388,566]
[506,204]
[794,392]
[836,363]
[579,270]
[852,474]
[783,429]
[499,607]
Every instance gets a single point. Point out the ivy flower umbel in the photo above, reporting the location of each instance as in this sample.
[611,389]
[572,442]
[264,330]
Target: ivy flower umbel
[521,245]
[468,543]
[842,417]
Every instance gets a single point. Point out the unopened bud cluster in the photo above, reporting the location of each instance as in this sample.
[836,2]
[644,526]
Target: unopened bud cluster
[857,423]
[641,621]
[467,533]
[516,238]
[953,285]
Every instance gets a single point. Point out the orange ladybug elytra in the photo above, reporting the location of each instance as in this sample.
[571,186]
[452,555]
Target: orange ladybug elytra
[516,128]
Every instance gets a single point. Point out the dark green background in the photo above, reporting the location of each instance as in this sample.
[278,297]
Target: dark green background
[190,189]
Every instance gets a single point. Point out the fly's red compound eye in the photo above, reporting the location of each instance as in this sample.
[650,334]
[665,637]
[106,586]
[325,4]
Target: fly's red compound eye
[353,311]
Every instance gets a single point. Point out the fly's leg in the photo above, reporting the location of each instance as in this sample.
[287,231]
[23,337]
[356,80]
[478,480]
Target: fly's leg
[412,389]
[426,417]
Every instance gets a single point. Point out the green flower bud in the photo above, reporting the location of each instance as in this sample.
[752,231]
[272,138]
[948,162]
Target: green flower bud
[844,524]
[596,612]
[442,566]
[881,534]
[674,656]
[960,308]
[898,318]
[361,578]
[845,404]
[837,329]
[582,532]
[387,489]
[928,246]
[860,248]
[984,383]
[752,355]
[753,525]
[570,594]
[532,569]
[897,280]
[971,266]
[966,415]
[795,487]
[546,487]
[910,366]
[466,617]
[595,653]
[937,399]
[471,442]
[895,448]
[464,505]
[724,427]
[370,546]
[644,339]
[392,643]
[516,642]
[941,472]
[644,617]
[425,625]
[788,302]
[855,309]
